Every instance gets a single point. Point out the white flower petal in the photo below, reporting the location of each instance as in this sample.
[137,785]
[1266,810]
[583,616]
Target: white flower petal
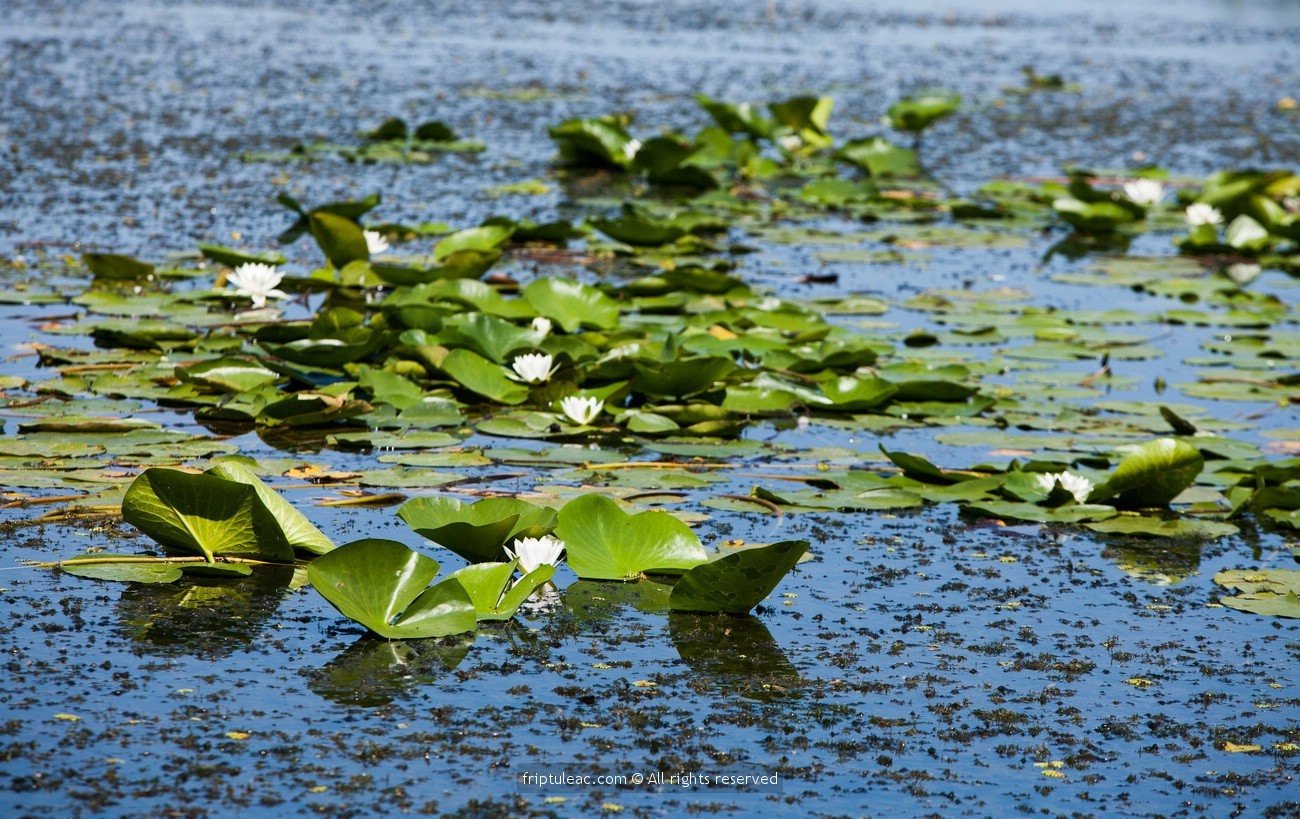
[375,241]
[1199,213]
[581,410]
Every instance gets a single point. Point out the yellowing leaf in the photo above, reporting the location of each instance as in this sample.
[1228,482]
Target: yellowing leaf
[237,735]
[1234,748]
[67,717]
[1139,682]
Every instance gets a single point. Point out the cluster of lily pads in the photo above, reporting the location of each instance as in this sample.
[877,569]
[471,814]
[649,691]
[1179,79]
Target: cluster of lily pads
[225,521]
[667,342]
[392,141]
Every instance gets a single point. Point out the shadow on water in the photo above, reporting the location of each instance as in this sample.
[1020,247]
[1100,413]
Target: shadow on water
[1160,562]
[738,653]
[373,672]
[207,617]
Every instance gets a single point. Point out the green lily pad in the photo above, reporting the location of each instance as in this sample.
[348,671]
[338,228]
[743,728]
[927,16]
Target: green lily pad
[1154,473]
[204,515]
[605,543]
[300,532]
[478,532]
[126,572]
[1157,527]
[1268,592]
[736,582]
[384,586]
[489,587]
[572,304]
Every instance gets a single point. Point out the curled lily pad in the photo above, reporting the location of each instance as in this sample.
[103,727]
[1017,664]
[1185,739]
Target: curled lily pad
[918,112]
[300,532]
[605,543]
[494,596]
[1154,473]
[735,583]
[478,532]
[204,515]
[384,586]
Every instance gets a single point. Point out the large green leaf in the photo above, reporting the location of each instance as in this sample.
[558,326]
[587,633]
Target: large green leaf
[478,532]
[476,374]
[130,570]
[880,157]
[918,112]
[204,515]
[605,543]
[116,267]
[227,374]
[1156,527]
[1154,473]
[735,583]
[340,238]
[1269,592]
[572,304]
[489,587]
[484,239]
[300,532]
[381,584]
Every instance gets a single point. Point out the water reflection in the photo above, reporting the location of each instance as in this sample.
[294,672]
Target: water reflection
[373,672]
[738,653]
[1160,562]
[1078,246]
[213,617]
[590,600]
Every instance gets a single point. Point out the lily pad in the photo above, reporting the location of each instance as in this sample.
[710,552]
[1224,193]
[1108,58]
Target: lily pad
[735,583]
[384,586]
[204,515]
[605,543]
[489,587]
[1154,473]
[478,532]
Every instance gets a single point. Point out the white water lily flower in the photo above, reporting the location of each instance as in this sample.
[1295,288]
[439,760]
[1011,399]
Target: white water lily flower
[790,142]
[534,368]
[580,409]
[257,281]
[1144,191]
[1077,485]
[532,552]
[630,148]
[1200,213]
[375,242]
[542,325]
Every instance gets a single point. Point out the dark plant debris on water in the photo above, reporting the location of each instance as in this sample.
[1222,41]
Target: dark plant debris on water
[911,392]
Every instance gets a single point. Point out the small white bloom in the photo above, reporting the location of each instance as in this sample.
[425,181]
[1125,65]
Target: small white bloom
[581,410]
[375,242]
[631,147]
[1202,214]
[1144,191]
[1243,272]
[1077,485]
[534,368]
[542,325]
[790,142]
[257,281]
[532,552]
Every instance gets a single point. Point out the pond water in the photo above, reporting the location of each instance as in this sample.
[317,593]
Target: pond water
[923,662]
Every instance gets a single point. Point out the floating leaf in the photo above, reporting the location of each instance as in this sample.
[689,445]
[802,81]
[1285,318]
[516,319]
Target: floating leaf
[383,585]
[1156,527]
[489,587]
[1154,473]
[478,532]
[131,570]
[115,267]
[300,532]
[918,112]
[204,515]
[605,543]
[736,582]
